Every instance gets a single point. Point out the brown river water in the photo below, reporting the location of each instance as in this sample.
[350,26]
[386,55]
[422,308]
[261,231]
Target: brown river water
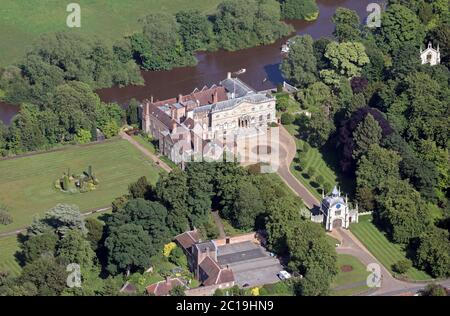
[262,64]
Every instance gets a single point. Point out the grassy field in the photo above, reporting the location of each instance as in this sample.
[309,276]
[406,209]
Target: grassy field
[385,251]
[22,21]
[353,279]
[313,158]
[27,183]
[8,263]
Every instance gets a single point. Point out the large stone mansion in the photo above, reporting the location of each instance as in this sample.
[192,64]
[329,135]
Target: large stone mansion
[186,125]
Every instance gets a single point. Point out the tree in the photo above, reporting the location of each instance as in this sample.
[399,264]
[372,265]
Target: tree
[347,25]
[83,136]
[347,58]
[300,67]
[400,27]
[287,119]
[73,248]
[46,274]
[433,290]
[60,219]
[315,95]
[110,129]
[248,206]
[39,246]
[140,189]
[195,30]
[433,252]
[319,128]
[159,46]
[128,249]
[150,215]
[178,257]
[376,166]
[366,134]
[402,266]
[300,9]
[178,291]
[312,257]
[241,25]
[401,211]
[95,232]
[133,112]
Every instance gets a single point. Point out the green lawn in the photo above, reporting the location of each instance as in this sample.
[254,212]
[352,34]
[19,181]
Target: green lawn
[27,183]
[352,279]
[8,263]
[313,158]
[22,21]
[385,251]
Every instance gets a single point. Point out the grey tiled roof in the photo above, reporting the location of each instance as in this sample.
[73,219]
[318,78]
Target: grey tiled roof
[237,86]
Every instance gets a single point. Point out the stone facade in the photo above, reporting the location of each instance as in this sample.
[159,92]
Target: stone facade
[335,212]
[430,55]
[185,125]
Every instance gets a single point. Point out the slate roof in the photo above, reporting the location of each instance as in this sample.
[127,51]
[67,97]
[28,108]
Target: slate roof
[188,239]
[216,275]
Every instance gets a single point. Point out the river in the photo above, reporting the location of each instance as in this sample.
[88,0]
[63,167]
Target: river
[262,64]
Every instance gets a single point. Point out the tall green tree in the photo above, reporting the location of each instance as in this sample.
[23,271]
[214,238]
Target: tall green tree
[433,252]
[300,9]
[195,30]
[347,58]
[128,249]
[300,67]
[400,26]
[366,134]
[347,25]
[377,165]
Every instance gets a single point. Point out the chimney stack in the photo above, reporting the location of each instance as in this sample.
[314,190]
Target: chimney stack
[180,98]
[215,98]
[229,75]
[151,99]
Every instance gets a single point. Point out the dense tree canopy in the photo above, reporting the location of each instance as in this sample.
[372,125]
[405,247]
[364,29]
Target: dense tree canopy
[300,67]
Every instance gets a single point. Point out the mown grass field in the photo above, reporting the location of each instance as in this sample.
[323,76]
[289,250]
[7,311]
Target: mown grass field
[353,279]
[8,263]
[313,158]
[22,21]
[27,183]
[385,251]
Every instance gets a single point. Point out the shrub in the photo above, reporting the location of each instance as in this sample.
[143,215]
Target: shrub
[287,118]
[306,147]
[168,249]
[311,171]
[83,136]
[320,180]
[402,266]
[110,129]
[5,217]
[178,257]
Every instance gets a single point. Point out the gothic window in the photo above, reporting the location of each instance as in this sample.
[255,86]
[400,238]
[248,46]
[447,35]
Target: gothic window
[429,57]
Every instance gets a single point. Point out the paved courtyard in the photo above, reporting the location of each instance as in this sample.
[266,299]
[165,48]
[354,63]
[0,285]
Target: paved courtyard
[251,263]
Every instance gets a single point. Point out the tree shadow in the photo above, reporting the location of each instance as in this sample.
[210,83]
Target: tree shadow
[273,74]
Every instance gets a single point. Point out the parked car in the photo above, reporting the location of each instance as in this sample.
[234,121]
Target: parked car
[284,275]
[246,285]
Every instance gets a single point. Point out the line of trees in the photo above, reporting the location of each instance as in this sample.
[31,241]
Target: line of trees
[387,118]
[168,41]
